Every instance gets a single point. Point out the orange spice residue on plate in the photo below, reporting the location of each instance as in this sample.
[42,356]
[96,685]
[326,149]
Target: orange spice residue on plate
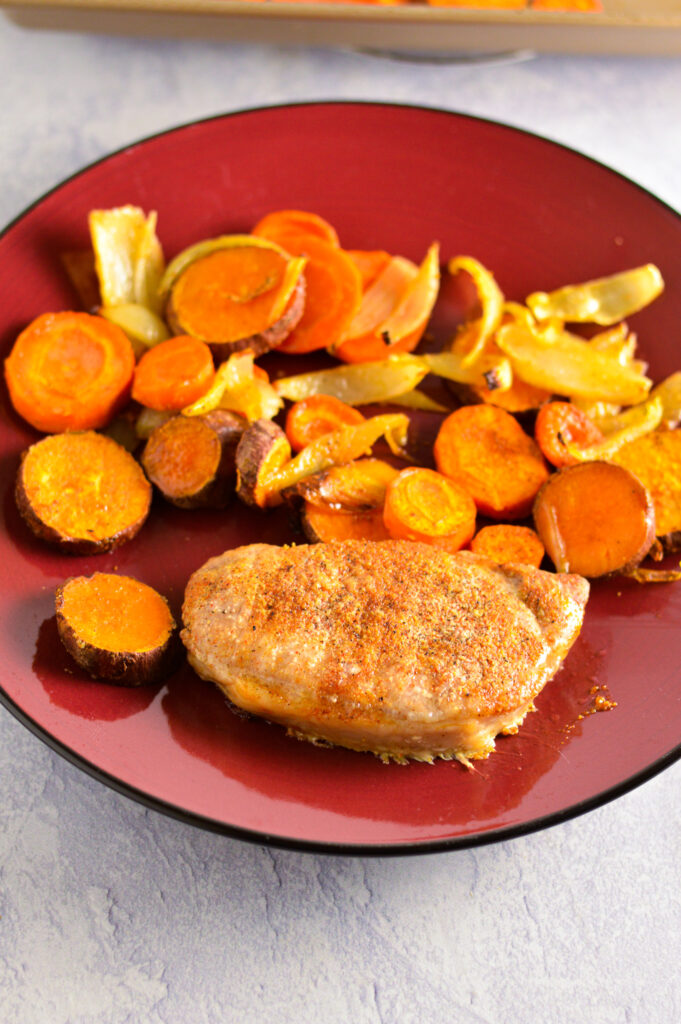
[601,701]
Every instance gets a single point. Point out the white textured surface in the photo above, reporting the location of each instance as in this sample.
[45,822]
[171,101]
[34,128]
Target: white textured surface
[110,913]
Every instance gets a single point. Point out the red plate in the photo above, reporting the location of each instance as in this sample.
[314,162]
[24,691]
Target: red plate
[387,177]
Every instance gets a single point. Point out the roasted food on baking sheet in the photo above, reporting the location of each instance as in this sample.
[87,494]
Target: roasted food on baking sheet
[398,648]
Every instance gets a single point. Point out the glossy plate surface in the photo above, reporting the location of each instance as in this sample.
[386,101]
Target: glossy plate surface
[390,177]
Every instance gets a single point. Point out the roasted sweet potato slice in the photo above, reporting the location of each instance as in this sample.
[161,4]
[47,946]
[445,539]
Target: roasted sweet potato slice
[322,525]
[357,486]
[192,460]
[83,492]
[117,628]
[595,519]
[230,298]
[655,459]
[263,449]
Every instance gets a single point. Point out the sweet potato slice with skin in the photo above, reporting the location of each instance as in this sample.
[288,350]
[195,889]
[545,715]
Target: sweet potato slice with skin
[323,525]
[655,459]
[117,628]
[192,460]
[344,502]
[263,448]
[356,487]
[595,519]
[82,492]
[272,337]
[259,341]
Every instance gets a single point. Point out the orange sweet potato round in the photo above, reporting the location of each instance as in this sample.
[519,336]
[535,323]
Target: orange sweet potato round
[117,628]
[82,492]
[192,459]
[263,449]
[322,525]
[595,519]
[208,301]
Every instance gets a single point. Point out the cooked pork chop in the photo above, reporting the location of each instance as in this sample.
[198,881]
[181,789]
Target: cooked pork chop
[397,648]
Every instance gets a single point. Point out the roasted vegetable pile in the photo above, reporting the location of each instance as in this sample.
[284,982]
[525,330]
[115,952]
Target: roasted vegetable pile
[552,441]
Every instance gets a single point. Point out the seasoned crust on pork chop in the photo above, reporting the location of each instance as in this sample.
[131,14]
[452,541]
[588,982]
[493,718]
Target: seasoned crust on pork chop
[398,648]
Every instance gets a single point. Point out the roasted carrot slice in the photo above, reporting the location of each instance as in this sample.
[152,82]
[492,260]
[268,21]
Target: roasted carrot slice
[282,223]
[406,294]
[655,459]
[82,492]
[333,291]
[562,424]
[595,519]
[173,374]
[370,263]
[485,450]
[117,628]
[192,460]
[508,542]
[231,298]
[519,397]
[317,415]
[69,371]
[423,505]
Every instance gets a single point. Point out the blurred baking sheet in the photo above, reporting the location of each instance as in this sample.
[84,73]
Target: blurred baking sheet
[622,26]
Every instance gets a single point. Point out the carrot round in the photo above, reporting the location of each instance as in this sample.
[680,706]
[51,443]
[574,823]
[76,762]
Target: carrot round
[317,415]
[594,519]
[508,542]
[486,450]
[423,505]
[320,524]
[69,371]
[280,223]
[173,374]
[333,292]
[560,424]
[82,492]
[117,628]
